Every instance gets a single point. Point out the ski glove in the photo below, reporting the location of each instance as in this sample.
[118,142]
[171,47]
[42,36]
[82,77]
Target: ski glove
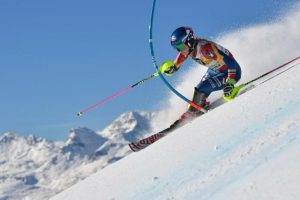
[171,70]
[228,87]
[168,68]
[227,90]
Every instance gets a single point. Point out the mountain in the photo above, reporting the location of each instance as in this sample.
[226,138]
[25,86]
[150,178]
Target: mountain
[83,142]
[36,168]
[245,149]
[129,126]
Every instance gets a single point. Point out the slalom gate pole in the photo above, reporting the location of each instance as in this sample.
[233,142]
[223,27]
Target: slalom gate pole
[156,66]
[115,95]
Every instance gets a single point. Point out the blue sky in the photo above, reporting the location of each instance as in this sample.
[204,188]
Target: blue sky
[59,57]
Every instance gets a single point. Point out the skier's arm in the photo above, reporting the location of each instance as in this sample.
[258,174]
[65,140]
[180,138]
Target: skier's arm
[170,67]
[180,60]
[231,68]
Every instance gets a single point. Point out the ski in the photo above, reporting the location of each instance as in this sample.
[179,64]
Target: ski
[135,147]
[183,120]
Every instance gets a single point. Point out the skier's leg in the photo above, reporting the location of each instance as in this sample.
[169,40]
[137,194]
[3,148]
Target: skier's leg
[211,84]
[200,99]
[212,81]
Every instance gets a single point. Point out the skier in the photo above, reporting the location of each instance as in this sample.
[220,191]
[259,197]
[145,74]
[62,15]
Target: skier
[223,70]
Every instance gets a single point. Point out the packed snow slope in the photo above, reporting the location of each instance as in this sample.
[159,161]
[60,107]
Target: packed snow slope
[245,149]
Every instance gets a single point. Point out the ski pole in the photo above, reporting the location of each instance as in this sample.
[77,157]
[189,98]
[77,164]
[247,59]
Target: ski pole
[239,87]
[116,94]
[283,65]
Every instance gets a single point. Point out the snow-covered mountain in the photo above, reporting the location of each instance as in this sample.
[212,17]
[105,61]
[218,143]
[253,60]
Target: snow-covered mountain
[129,126]
[35,168]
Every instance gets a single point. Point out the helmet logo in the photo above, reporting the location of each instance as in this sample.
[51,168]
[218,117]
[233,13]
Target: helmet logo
[173,38]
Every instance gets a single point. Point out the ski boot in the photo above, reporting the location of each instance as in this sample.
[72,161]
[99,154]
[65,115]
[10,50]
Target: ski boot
[200,99]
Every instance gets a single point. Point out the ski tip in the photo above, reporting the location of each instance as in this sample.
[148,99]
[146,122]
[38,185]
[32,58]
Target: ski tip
[79,114]
[133,147]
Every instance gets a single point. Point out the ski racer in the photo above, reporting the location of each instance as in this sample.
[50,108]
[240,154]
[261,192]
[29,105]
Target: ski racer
[223,70]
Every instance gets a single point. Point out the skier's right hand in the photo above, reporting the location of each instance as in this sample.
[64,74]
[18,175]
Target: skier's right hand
[171,70]
[168,68]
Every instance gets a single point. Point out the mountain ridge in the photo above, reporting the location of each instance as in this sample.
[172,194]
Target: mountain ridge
[38,168]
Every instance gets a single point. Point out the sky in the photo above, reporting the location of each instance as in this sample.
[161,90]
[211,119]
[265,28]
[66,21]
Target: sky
[60,57]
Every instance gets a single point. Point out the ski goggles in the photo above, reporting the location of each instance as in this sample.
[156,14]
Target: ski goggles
[180,47]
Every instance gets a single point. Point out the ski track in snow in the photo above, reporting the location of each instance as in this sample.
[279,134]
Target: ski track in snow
[244,156]
[232,161]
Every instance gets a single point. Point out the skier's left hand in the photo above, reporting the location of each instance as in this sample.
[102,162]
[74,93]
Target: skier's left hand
[228,87]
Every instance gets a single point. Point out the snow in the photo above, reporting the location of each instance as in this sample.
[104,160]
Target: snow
[245,149]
